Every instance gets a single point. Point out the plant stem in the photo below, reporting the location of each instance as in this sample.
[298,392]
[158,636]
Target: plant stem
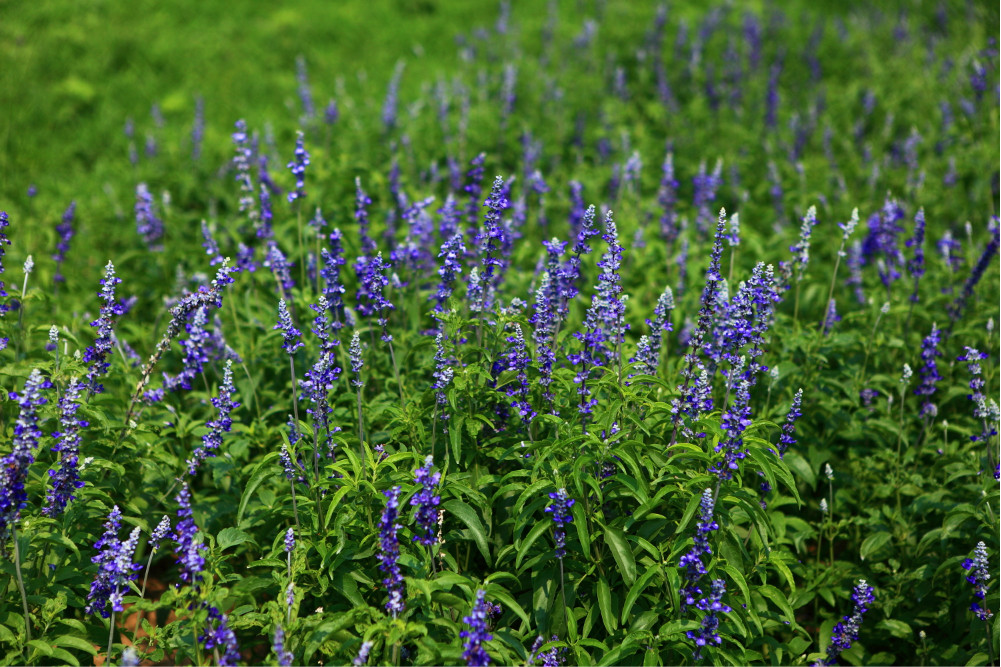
[396,372]
[111,635]
[361,434]
[20,582]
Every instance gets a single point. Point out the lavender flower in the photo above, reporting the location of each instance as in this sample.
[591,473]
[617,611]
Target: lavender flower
[14,466]
[4,222]
[149,226]
[560,509]
[980,573]
[609,305]
[475,654]
[297,166]
[392,95]
[916,265]
[801,250]
[705,185]
[884,228]
[217,635]
[114,567]
[708,632]
[959,305]
[241,163]
[847,631]
[189,550]
[451,252]
[67,477]
[159,534]
[97,354]
[290,335]
[362,657]
[354,352]
[831,316]
[389,552]
[443,374]
[929,371]
[735,421]
[65,231]
[786,438]
[283,655]
[225,404]
[373,284]
[426,502]
[692,561]
[516,359]
[490,242]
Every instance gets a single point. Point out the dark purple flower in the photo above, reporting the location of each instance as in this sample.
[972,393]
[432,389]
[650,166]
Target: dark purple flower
[218,635]
[847,630]
[14,470]
[149,226]
[706,185]
[560,509]
[882,241]
[114,567]
[916,265]
[929,370]
[283,655]
[280,267]
[980,574]
[97,354]
[65,231]
[986,258]
[189,550]
[707,632]
[66,479]
[298,164]
[291,340]
[389,552]
[474,189]
[490,241]
[451,253]
[692,560]
[159,534]
[224,403]
[736,418]
[426,501]
[786,438]
[374,282]
[474,653]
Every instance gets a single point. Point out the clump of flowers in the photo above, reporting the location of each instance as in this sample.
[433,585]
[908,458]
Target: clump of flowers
[560,509]
[474,653]
[114,567]
[979,577]
[847,630]
[389,552]
[426,502]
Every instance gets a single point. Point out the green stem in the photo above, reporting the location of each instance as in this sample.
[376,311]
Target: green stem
[20,583]
[111,635]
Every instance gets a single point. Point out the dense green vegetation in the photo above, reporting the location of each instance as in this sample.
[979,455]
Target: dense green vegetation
[741,411]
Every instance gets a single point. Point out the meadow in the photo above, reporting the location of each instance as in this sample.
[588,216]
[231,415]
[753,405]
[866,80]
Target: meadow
[590,332]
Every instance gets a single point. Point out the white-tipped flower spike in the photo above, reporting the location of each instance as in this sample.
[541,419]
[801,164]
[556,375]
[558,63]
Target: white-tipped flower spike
[905,376]
[29,264]
[823,505]
[828,471]
[886,308]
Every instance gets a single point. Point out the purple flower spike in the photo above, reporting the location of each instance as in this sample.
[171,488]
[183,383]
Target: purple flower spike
[190,551]
[475,654]
[290,335]
[149,226]
[284,656]
[560,509]
[300,161]
[692,561]
[14,470]
[114,567]
[97,354]
[65,231]
[708,633]
[224,403]
[389,552]
[426,502]
[847,631]
[980,573]
[66,479]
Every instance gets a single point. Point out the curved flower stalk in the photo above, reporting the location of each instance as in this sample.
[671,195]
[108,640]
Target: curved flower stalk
[847,630]
[474,653]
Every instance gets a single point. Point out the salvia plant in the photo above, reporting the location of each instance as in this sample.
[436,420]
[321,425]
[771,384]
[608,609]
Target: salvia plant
[610,334]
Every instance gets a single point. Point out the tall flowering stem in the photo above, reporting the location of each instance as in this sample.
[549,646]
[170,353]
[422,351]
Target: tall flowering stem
[14,471]
[786,439]
[425,503]
[389,552]
[291,342]
[148,225]
[929,372]
[979,578]
[692,560]
[443,374]
[847,229]
[225,405]
[97,354]
[981,410]
[65,231]
[560,509]
[477,634]
[190,551]
[66,479]
[847,630]
[114,570]
[241,163]
[687,403]
[708,631]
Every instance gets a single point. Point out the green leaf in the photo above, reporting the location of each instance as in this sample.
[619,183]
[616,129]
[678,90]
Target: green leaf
[605,606]
[693,503]
[616,541]
[636,590]
[776,596]
[500,594]
[527,543]
[467,515]
[873,543]
[262,472]
[580,522]
[75,642]
[230,537]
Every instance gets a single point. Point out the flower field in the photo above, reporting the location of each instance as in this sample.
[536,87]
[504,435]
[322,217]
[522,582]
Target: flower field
[584,333]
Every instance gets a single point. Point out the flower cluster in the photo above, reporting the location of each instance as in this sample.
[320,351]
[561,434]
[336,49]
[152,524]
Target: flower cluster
[426,501]
[114,567]
[929,371]
[148,225]
[66,478]
[786,438]
[297,166]
[97,354]
[560,509]
[980,573]
[65,231]
[389,552]
[283,655]
[290,335]
[14,470]
[443,374]
[692,561]
[218,635]
[847,630]
[225,405]
[474,653]
[708,631]
[189,550]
